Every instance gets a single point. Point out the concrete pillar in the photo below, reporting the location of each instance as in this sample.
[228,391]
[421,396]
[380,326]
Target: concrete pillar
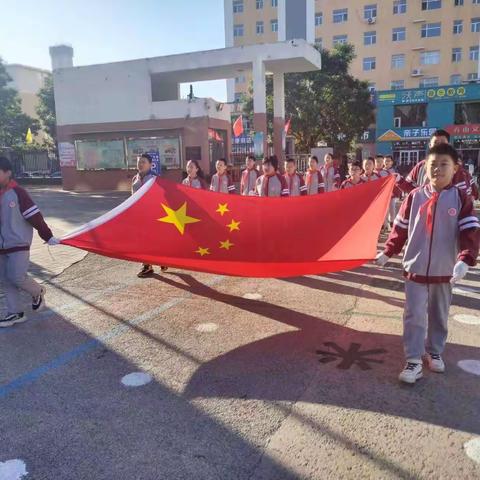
[61,56]
[278,114]
[260,101]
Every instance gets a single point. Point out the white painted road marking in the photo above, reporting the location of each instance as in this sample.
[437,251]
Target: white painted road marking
[136,379]
[12,470]
[472,449]
[206,327]
[470,366]
[467,319]
[253,296]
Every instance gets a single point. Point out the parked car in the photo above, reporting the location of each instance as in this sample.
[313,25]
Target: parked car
[56,175]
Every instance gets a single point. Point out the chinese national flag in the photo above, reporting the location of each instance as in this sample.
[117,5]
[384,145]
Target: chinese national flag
[287,126]
[165,223]
[238,126]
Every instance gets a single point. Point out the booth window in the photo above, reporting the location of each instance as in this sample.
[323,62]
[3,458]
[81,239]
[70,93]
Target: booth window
[411,115]
[466,113]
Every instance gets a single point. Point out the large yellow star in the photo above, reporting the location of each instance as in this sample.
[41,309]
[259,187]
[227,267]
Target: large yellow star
[203,251]
[222,208]
[233,225]
[179,217]
[226,245]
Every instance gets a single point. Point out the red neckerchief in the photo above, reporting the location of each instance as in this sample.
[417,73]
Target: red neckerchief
[11,184]
[290,180]
[310,173]
[266,179]
[247,177]
[219,176]
[429,206]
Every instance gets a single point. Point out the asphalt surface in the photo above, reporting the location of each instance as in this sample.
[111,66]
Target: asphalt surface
[296,381]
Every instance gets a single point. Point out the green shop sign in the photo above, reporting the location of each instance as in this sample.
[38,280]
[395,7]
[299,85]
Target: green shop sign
[425,95]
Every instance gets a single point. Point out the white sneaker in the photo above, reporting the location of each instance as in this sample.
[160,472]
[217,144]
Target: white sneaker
[38,303]
[435,362]
[411,373]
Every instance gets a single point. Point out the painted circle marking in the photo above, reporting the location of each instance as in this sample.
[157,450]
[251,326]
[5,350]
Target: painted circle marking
[467,319]
[253,296]
[206,327]
[472,449]
[13,470]
[136,379]
[452,212]
[470,366]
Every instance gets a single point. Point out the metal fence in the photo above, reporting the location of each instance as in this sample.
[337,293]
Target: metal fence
[32,163]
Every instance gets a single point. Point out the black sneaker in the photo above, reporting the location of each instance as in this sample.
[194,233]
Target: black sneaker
[146,271]
[38,302]
[12,319]
[163,269]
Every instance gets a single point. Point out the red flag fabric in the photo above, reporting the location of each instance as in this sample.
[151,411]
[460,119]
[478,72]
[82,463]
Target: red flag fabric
[165,223]
[238,126]
[287,126]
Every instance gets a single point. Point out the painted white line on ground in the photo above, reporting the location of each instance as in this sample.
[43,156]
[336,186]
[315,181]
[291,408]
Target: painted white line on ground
[253,296]
[12,470]
[136,379]
[468,291]
[472,449]
[206,327]
[467,319]
[470,366]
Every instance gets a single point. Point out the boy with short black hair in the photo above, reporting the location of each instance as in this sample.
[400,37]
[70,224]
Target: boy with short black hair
[295,183]
[18,217]
[313,177]
[271,183]
[249,176]
[369,173]
[442,235]
[355,171]
[221,181]
[380,166]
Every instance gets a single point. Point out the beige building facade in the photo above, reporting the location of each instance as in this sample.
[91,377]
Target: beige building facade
[398,43]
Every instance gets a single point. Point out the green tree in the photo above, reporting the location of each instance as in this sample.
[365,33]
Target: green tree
[13,122]
[46,110]
[328,105]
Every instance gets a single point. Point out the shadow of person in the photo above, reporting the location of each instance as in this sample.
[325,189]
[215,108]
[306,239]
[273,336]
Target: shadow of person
[327,363]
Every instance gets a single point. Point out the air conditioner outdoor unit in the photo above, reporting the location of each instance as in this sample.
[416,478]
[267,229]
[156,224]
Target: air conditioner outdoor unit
[416,72]
[371,20]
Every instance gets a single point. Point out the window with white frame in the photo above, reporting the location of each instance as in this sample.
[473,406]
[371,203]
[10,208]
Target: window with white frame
[369,63]
[238,97]
[455,79]
[274,25]
[372,87]
[238,30]
[431,30]
[475,25]
[318,18]
[369,12]
[472,76]
[319,42]
[458,3]
[237,6]
[259,4]
[398,34]
[240,79]
[456,55]
[340,16]
[369,38]
[430,57]
[398,61]
[431,4]
[274,3]
[259,28]
[399,7]
[457,27]
[339,40]
[429,82]
[474,53]
[397,84]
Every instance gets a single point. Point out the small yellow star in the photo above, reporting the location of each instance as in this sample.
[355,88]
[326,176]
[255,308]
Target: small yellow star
[203,251]
[233,225]
[222,208]
[179,217]
[226,245]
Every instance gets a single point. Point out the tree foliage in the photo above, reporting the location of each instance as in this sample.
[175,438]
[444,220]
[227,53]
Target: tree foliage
[46,109]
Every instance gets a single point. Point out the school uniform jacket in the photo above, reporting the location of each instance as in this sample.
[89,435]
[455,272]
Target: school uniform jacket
[397,191]
[18,217]
[331,177]
[370,178]
[349,184]
[222,183]
[138,181]
[271,186]
[295,184]
[197,182]
[314,182]
[248,180]
[438,229]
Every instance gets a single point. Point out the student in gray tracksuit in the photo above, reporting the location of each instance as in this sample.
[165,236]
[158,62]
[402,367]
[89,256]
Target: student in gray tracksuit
[18,217]
[442,235]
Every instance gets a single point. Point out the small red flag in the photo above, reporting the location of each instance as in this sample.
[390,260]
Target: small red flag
[287,126]
[238,126]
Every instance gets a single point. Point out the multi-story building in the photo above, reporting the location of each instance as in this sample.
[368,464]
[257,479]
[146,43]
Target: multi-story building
[399,43]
